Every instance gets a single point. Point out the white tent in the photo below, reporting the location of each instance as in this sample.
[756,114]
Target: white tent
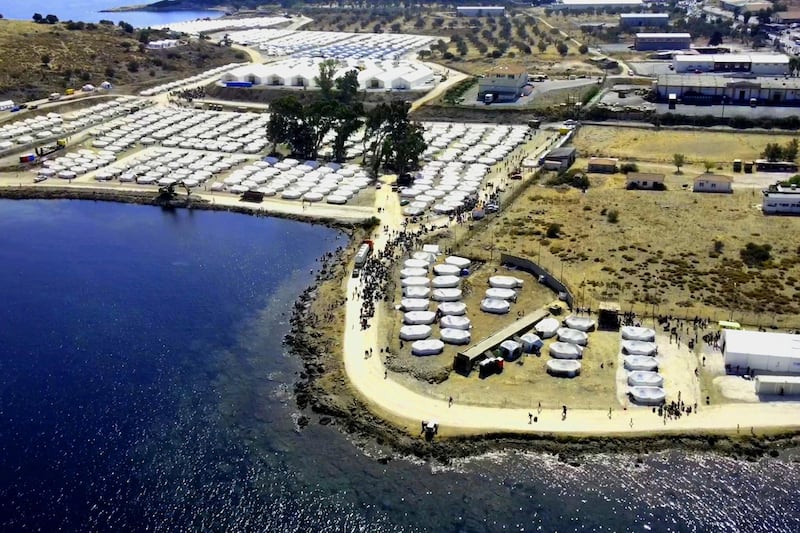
[563,367]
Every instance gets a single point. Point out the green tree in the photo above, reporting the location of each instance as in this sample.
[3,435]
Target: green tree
[562,48]
[678,160]
[38,18]
[583,49]
[285,114]
[325,78]
[46,60]
[790,150]
[541,45]
[51,19]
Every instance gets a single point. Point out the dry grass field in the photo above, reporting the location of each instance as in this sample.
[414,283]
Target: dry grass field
[658,146]
[670,252]
[39,59]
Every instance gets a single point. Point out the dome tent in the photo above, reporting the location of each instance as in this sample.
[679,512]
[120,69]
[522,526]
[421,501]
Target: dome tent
[427,347]
[547,327]
[510,350]
[415,332]
[639,348]
[531,342]
[632,333]
[455,336]
[565,350]
[566,368]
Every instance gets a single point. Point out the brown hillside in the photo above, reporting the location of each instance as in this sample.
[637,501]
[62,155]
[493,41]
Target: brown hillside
[39,59]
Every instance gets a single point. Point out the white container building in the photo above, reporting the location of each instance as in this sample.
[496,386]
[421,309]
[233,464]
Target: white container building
[758,351]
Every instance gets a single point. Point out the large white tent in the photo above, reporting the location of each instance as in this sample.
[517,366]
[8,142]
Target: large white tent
[761,351]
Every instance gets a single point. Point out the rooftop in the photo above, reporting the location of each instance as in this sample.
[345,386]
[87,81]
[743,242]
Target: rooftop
[720,81]
[764,343]
[600,3]
[714,177]
[564,151]
[603,161]
[663,35]
[644,15]
[732,58]
[516,70]
[644,176]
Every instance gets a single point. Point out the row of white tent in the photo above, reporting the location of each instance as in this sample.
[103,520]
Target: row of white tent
[337,45]
[45,127]
[639,350]
[186,128]
[444,288]
[460,158]
[208,75]
[74,164]
[303,72]
[194,27]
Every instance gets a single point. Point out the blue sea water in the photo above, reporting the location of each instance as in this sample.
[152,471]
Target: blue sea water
[90,11]
[144,387]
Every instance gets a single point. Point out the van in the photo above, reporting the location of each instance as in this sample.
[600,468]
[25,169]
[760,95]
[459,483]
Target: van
[488,98]
[69,92]
[54,96]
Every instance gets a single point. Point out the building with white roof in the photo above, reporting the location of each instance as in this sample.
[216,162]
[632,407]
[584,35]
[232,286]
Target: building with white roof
[302,72]
[781,200]
[480,11]
[760,351]
[662,41]
[644,20]
[598,5]
[758,64]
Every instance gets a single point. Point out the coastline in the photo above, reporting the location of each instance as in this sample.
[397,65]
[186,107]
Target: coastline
[158,9]
[323,388]
[150,198]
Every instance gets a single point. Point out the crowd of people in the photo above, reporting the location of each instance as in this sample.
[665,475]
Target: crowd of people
[189,94]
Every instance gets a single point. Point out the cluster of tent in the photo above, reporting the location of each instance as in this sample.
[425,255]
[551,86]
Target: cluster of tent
[500,294]
[330,44]
[304,71]
[195,27]
[53,125]
[75,164]
[639,350]
[177,84]
[164,167]
[294,180]
[188,129]
[444,288]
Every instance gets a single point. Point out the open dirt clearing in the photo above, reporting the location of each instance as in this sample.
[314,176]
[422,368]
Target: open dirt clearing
[658,146]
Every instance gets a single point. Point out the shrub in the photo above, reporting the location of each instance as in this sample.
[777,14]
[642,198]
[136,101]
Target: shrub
[553,231]
[133,66]
[613,216]
[628,167]
[755,255]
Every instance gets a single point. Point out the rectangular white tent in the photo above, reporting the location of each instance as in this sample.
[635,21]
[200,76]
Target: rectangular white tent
[776,353]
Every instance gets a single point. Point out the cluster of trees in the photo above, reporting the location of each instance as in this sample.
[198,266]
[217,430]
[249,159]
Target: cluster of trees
[755,255]
[391,140]
[776,152]
[48,19]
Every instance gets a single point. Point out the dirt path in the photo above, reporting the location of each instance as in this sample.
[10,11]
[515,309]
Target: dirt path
[453,77]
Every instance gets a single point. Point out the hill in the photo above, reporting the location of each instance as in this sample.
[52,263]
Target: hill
[39,59]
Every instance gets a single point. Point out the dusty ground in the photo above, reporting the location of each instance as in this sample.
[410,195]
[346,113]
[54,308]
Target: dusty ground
[39,59]
[658,146]
[660,256]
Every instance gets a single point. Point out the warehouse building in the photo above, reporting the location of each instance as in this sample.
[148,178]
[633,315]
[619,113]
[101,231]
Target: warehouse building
[480,11]
[758,64]
[715,89]
[598,5]
[644,20]
[761,352]
[777,385]
[662,41]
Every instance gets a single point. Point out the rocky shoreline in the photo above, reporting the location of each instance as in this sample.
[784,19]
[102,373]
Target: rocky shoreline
[322,392]
[324,397]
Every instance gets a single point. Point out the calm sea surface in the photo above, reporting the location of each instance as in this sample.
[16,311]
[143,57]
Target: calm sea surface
[89,11]
[144,387]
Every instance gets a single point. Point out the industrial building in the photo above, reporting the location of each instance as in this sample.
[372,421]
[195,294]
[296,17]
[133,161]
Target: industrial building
[597,5]
[781,201]
[301,72]
[504,82]
[715,89]
[644,20]
[662,41]
[560,158]
[753,6]
[480,11]
[758,64]
[760,351]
